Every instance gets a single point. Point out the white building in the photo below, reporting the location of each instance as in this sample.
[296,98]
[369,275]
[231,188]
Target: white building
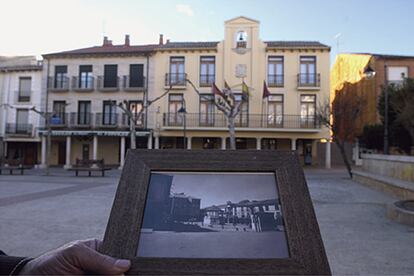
[20,91]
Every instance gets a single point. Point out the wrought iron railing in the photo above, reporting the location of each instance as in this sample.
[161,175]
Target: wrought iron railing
[175,79]
[58,83]
[218,120]
[19,129]
[132,84]
[83,83]
[275,80]
[108,85]
[309,80]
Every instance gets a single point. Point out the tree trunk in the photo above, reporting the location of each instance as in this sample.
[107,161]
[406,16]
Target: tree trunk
[132,131]
[341,147]
[232,132]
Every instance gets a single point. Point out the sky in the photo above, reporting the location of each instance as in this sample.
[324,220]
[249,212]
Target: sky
[35,27]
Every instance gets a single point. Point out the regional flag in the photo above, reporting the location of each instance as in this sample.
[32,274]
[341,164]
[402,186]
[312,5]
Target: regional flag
[266,92]
[245,91]
[216,91]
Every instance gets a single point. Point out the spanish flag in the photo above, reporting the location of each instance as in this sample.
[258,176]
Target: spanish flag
[266,92]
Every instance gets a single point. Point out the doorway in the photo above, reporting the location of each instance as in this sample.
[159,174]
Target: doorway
[61,153]
[85,152]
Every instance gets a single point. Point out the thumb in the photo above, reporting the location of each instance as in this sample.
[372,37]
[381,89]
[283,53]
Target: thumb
[96,262]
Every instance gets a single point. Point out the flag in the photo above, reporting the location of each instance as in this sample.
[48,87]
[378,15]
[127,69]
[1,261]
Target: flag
[216,91]
[245,91]
[266,92]
[226,85]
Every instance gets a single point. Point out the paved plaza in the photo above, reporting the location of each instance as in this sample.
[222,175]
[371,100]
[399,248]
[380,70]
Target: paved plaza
[38,213]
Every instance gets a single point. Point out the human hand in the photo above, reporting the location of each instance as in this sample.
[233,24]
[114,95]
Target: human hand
[76,258]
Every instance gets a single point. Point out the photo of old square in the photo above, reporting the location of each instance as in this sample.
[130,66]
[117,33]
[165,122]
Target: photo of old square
[213,215]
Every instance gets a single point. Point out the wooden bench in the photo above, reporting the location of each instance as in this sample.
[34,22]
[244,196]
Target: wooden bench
[13,165]
[89,166]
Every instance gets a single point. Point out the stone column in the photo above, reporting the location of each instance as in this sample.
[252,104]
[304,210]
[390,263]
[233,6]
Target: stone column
[68,153]
[258,143]
[149,142]
[157,142]
[328,154]
[43,153]
[122,154]
[223,143]
[95,148]
[189,139]
[293,143]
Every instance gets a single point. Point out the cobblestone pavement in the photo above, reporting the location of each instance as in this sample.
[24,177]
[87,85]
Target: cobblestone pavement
[38,213]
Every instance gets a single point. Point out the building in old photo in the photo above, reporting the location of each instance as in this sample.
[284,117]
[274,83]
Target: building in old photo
[20,92]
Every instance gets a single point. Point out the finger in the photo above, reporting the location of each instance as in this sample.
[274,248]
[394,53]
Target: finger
[92,243]
[90,260]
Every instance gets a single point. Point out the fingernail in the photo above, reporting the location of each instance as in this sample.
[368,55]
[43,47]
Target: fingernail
[123,264]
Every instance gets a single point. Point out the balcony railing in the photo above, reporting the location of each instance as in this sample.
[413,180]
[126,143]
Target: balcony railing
[59,84]
[207,80]
[76,120]
[309,80]
[108,85]
[83,84]
[275,80]
[23,97]
[175,79]
[19,129]
[133,84]
[218,120]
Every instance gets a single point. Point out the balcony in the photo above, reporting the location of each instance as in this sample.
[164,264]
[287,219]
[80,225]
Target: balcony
[60,84]
[309,81]
[207,80]
[95,121]
[108,85]
[19,129]
[176,80]
[23,97]
[83,84]
[81,120]
[133,85]
[254,121]
[275,80]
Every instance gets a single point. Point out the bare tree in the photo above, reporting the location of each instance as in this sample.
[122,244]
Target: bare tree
[341,118]
[133,118]
[226,102]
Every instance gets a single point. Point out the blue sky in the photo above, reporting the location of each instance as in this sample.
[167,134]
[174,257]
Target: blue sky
[46,26]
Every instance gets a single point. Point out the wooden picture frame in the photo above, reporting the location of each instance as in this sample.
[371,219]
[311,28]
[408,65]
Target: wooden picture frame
[306,251]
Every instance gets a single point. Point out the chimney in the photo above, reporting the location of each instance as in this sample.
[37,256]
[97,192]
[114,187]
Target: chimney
[106,41]
[127,40]
[161,39]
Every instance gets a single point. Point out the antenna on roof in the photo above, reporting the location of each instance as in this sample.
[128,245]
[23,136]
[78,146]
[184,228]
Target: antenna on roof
[337,37]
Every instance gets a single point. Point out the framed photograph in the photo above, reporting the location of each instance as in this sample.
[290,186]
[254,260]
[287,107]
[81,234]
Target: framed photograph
[179,212]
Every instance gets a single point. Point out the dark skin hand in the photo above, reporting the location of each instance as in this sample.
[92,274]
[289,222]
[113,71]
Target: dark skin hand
[76,258]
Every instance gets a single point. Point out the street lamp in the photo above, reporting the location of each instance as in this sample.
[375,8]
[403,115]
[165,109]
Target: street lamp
[183,112]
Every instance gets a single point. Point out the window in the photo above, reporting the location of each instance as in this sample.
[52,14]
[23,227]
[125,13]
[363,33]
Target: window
[85,77]
[22,119]
[177,71]
[242,120]
[275,71]
[84,112]
[307,110]
[61,80]
[396,74]
[275,111]
[135,107]
[206,110]
[109,113]
[136,75]
[207,71]
[241,39]
[175,102]
[58,116]
[307,76]
[110,76]
[25,87]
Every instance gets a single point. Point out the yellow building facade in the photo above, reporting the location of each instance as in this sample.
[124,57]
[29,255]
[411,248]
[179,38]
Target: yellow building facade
[83,84]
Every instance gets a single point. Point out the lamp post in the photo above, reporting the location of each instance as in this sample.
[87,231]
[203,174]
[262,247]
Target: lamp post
[183,112]
[386,98]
